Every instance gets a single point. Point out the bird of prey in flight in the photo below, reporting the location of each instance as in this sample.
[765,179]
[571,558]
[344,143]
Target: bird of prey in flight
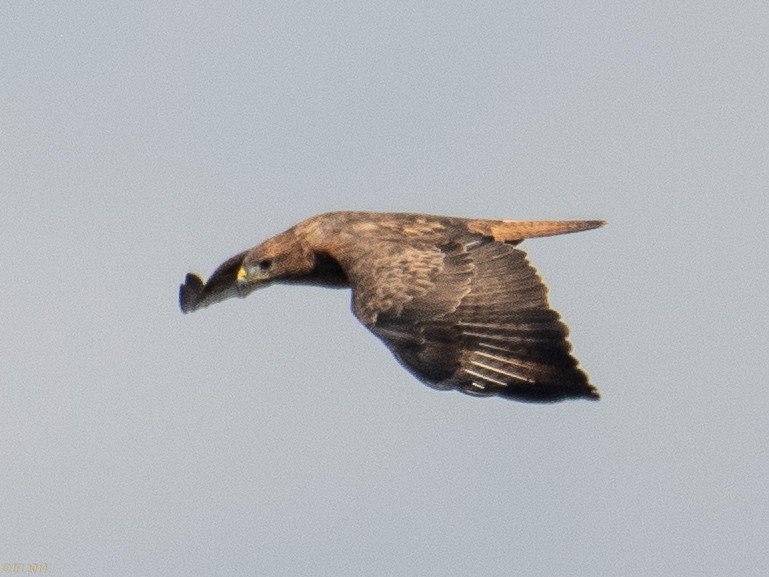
[455,301]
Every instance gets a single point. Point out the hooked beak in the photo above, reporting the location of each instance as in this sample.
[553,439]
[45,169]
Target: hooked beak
[229,280]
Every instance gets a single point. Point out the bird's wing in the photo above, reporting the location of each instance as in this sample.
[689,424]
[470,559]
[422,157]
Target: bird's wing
[472,316]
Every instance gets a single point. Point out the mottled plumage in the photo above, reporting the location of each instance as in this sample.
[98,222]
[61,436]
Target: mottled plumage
[453,299]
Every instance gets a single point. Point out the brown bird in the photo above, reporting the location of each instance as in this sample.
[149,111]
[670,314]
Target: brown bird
[457,304]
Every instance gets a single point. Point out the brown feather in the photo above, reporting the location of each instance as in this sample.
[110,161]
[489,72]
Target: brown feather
[515,231]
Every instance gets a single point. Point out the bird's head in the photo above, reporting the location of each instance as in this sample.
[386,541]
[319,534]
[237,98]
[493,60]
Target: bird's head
[239,276]
[280,259]
[256,270]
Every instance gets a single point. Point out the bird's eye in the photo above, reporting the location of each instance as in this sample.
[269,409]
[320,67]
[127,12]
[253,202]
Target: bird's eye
[265,263]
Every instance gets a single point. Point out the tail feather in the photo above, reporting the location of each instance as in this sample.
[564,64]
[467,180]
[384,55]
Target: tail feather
[514,231]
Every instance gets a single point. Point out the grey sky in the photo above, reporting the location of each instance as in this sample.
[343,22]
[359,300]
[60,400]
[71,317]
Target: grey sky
[275,435]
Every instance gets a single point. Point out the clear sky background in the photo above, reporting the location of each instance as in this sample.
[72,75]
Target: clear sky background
[275,435]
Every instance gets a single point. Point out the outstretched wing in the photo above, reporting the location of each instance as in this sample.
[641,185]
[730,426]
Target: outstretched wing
[471,315]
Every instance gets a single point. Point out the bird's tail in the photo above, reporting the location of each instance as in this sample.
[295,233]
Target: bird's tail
[516,230]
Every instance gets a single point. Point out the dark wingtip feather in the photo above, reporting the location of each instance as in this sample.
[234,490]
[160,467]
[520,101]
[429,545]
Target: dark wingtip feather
[580,387]
[590,393]
[551,392]
[190,292]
